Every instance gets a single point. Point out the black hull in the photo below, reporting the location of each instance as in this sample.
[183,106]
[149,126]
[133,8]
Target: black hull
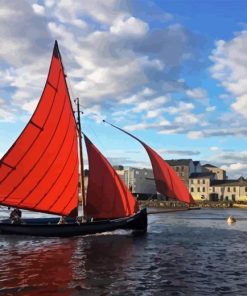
[49,228]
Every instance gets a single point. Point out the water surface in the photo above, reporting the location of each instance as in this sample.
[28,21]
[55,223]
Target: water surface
[183,253]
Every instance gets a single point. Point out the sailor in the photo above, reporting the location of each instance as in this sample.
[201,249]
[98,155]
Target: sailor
[80,219]
[231,220]
[62,220]
[15,216]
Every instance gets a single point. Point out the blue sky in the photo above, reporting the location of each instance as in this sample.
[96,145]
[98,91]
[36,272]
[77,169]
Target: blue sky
[171,72]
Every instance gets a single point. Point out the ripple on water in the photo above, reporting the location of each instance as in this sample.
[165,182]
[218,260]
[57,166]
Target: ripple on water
[180,255]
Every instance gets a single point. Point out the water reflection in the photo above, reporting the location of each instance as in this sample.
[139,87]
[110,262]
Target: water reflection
[99,260]
[35,267]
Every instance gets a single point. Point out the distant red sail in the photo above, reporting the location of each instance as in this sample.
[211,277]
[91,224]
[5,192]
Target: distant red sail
[167,181]
[40,171]
[107,196]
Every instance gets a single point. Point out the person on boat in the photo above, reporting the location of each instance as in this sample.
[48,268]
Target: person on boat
[15,216]
[231,220]
[80,220]
[62,220]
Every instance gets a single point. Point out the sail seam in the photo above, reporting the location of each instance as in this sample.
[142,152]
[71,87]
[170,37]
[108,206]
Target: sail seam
[46,150]
[59,175]
[34,165]
[65,187]
[52,86]
[9,166]
[71,198]
[39,127]
[36,138]
[37,107]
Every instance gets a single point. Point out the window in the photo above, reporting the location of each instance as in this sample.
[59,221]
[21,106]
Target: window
[213,189]
[233,197]
[177,169]
[203,189]
[245,189]
[228,189]
[234,189]
[191,182]
[198,181]
[182,168]
[198,189]
[191,189]
[203,181]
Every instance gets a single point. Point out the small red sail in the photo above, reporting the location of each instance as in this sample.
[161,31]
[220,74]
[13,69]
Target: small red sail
[107,196]
[40,171]
[167,181]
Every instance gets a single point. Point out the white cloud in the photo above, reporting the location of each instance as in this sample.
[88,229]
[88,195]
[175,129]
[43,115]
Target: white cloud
[109,54]
[241,105]
[129,27]
[230,68]
[181,107]
[155,113]
[196,93]
[195,135]
[211,108]
[138,126]
[6,116]
[148,91]
[214,148]
[39,9]
[94,112]
[187,119]
[233,162]
[154,103]
[105,12]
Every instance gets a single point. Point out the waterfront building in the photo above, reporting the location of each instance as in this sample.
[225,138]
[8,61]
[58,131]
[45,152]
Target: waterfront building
[229,190]
[140,181]
[221,174]
[205,183]
[184,168]
[120,171]
[199,185]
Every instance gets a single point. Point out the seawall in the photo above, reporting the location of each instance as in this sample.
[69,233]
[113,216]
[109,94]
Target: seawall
[202,204]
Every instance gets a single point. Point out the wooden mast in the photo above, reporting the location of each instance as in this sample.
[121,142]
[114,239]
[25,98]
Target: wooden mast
[81,158]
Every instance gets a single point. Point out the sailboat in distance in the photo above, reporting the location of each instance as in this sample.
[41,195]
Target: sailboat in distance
[40,172]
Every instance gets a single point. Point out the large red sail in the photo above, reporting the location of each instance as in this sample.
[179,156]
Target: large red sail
[40,171]
[107,196]
[167,181]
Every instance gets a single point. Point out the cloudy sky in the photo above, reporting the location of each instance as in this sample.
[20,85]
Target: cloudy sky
[172,72]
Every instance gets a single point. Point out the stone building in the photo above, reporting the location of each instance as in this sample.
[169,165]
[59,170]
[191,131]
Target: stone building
[184,168]
[221,174]
[199,185]
[228,190]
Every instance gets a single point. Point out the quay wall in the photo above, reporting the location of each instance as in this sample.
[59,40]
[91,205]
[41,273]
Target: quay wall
[175,204]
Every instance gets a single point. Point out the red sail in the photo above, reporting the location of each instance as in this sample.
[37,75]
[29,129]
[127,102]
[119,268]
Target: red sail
[167,181]
[107,196]
[40,170]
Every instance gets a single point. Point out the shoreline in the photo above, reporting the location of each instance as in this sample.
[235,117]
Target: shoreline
[160,204]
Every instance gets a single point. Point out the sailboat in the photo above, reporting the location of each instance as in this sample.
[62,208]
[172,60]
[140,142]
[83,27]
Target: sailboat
[40,172]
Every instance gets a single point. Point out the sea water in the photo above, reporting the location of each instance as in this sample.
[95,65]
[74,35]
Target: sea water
[183,253]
